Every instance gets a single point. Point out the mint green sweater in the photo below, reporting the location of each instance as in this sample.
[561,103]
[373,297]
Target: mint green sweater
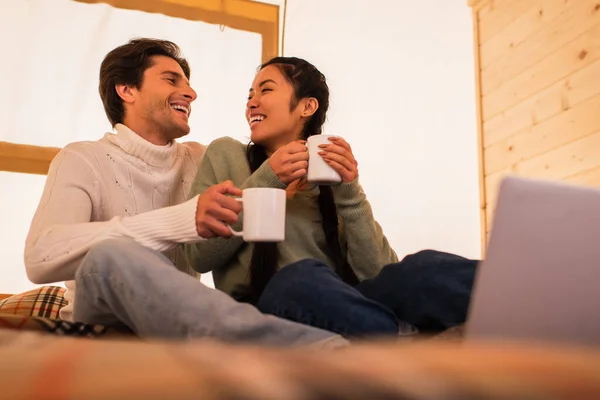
[363,242]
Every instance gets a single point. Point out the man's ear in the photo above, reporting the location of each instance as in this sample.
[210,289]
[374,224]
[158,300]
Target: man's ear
[125,92]
[310,105]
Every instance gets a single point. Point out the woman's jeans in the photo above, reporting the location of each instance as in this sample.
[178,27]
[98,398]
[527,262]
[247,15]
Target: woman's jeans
[428,290]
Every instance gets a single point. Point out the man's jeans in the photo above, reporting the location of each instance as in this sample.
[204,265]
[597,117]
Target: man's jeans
[121,282]
[428,291]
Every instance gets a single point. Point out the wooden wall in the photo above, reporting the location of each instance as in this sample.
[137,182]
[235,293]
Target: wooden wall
[538,91]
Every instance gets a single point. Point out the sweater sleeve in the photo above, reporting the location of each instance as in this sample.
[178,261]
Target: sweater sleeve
[225,159]
[61,232]
[367,247]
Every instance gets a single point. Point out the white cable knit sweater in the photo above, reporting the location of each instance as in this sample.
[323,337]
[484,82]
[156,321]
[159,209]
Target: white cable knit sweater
[118,186]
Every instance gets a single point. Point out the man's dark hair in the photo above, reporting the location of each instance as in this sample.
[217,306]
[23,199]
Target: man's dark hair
[126,65]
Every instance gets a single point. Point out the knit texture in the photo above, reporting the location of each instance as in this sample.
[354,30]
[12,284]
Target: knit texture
[363,242]
[118,186]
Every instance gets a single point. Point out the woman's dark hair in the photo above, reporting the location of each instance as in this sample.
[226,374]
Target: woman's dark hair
[307,81]
[126,64]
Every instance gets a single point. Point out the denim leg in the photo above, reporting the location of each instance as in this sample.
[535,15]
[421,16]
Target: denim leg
[309,292]
[122,281]
[429,289]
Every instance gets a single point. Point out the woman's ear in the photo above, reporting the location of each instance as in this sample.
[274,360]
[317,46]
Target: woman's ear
[125,92]
[309,106]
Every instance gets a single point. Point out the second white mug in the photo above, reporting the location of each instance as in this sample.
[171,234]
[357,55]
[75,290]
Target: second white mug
[318,171]
[263,215]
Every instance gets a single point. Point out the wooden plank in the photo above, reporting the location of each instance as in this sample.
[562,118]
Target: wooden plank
[477,69]
[572,162]
[550,134]
[476,3]
[540,17]
[250,9]
[496,15]
[576,157]
[576,163]
[26,158]
[565,94]
[579,53]
[590,177]
[246,15]
[218,12]
[561,22]
[254,10]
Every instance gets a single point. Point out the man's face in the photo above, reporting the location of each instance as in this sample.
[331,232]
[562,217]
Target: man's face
[162,103]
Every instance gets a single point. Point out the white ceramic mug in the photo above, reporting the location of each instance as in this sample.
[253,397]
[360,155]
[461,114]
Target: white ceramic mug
[318,171]
[264,215]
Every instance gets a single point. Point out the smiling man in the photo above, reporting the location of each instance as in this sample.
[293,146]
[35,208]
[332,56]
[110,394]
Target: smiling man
[105,189]
[114,212]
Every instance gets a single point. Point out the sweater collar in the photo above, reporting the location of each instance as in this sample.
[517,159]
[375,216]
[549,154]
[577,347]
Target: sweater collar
[135,145]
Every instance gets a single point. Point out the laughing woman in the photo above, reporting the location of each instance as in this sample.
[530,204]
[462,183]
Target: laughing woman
[335,270]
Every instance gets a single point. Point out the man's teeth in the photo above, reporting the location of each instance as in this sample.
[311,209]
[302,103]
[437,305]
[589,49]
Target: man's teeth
[181,108]
[256,118]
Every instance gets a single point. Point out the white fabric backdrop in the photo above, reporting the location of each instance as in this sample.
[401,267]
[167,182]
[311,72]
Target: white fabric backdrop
[401,75]
[49,97]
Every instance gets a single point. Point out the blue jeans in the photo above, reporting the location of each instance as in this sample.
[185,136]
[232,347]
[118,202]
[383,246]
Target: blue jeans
[120,282]
[428,290]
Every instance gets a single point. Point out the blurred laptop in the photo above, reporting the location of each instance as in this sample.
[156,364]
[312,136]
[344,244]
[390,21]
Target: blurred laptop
[541,276]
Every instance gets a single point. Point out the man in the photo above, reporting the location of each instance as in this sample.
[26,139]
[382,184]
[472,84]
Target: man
[114,211]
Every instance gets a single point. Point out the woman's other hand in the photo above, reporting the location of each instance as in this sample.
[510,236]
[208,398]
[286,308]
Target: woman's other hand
[338,155]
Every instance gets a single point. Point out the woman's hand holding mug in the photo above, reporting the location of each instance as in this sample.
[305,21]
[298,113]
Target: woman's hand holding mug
[290,162]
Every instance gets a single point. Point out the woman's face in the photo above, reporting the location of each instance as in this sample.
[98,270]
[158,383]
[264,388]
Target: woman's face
[272,123]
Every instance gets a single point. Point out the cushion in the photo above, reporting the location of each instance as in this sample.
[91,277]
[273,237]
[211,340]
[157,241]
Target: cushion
[45,301]
[38,310]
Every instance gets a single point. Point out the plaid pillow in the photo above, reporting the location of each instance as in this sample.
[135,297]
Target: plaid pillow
[45,301]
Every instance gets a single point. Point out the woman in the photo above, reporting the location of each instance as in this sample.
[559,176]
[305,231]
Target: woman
[334,250]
